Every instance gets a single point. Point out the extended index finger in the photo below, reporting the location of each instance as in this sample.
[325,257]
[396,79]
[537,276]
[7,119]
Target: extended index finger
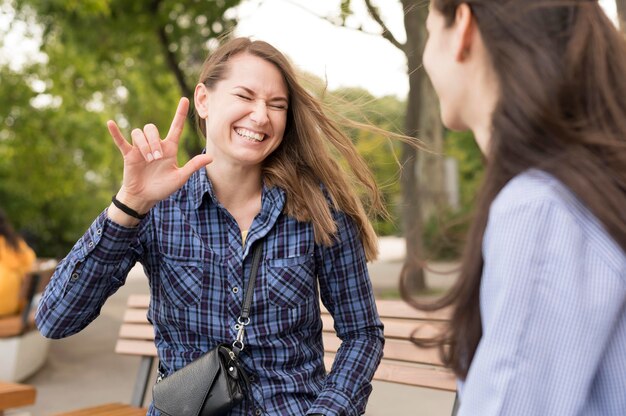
[178,122]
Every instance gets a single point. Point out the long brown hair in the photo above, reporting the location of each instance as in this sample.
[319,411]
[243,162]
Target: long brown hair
[560,67]
[304,160]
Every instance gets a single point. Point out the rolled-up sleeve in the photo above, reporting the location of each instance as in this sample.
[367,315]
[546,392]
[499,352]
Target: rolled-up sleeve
[346,291]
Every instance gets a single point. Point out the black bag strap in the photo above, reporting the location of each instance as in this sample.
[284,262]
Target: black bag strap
[247,300]
[244,317]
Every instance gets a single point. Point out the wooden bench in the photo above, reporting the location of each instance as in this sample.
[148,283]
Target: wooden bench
[13,395]
[403,362]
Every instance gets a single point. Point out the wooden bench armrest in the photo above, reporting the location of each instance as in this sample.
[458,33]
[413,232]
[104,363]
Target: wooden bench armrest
[14,395]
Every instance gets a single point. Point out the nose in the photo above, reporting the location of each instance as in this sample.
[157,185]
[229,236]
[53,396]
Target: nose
[259,113]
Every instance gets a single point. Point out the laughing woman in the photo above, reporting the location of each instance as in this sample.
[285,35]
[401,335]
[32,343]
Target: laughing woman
[266,177]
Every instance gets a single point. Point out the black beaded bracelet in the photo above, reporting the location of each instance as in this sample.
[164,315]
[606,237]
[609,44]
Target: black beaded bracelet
[128,210]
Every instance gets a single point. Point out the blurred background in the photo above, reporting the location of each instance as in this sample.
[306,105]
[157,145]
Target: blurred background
[67,66]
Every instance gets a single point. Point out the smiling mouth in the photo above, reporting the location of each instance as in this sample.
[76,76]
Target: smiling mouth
[250,135]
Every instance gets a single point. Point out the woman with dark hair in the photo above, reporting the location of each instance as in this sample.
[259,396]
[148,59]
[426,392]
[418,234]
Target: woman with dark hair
[269,176]
[539,312]
[16,259]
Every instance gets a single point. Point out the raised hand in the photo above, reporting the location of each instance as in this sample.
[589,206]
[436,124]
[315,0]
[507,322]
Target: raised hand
[151,171]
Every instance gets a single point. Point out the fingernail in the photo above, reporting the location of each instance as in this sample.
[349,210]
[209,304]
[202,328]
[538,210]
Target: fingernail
[150,157]
[157,154]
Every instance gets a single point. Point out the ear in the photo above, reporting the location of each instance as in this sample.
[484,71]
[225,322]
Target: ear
[201,100]
[465,27]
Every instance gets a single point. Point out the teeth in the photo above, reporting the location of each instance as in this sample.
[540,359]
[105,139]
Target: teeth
[250,134]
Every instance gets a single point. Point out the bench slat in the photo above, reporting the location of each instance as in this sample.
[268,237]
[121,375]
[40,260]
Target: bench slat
[139,301]
[397,328]
[400,310]
[426,377]
[394,350]
[135,347]
[111,409]
[138,316]
[137,331]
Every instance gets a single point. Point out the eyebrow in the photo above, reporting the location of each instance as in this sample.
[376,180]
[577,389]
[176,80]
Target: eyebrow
[273,99]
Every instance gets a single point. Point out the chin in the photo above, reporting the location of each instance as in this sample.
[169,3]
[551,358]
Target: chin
[453,122]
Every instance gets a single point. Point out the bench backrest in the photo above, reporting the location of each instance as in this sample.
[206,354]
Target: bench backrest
[403,361]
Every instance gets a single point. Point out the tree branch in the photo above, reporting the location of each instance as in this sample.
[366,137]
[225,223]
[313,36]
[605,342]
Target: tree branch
[170,58]
[374,14]
[191,147]
[333,21]
[172,63]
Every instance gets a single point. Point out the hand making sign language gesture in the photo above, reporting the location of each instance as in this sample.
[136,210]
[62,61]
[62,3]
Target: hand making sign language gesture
[151,171]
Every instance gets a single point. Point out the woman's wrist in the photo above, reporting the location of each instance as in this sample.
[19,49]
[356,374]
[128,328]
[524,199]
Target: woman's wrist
[126,210]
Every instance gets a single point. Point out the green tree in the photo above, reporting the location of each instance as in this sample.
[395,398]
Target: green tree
[127,60]
[422,174]
[382,154]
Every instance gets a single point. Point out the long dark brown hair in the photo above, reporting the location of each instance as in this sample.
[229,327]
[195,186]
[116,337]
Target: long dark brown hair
[8,232]
[561,69]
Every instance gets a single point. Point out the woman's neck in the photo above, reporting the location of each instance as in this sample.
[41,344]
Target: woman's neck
[238,188]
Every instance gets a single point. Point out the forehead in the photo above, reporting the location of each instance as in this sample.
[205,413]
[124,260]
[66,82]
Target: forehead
[255,73]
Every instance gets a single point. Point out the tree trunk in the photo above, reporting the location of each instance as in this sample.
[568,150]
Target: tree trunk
[192,147]
[621,14]
[422,179]
[412,272]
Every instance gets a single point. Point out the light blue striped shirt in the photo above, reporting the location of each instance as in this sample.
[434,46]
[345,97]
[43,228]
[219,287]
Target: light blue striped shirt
[553,305]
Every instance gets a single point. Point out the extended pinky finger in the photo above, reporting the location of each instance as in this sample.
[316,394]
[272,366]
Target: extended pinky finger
[119,140]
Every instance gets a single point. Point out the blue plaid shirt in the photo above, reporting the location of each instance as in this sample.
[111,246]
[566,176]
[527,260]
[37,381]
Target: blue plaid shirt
[192,252]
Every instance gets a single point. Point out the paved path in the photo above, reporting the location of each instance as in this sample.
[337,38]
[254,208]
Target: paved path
[83,370]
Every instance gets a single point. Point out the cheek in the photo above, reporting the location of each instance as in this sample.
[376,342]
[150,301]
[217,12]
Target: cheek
[427,57]
[279,122]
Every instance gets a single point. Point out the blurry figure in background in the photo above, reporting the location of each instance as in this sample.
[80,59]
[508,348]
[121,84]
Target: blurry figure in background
[538,323]
[16,259]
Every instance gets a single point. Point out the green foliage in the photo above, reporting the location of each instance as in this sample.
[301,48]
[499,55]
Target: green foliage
[105,59]
[380,153]
[444,232]
[345,10]
[462,147]
[49,181]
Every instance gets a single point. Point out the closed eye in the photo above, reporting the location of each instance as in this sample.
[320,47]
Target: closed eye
[244,97]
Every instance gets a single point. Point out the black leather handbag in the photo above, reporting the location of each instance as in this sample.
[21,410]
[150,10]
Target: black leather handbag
[216,382]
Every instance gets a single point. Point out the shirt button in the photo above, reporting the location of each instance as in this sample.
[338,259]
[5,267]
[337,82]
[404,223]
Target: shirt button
[235,289]
[99,231]
[74,277]
[258,412]
[251,379]
[90,244]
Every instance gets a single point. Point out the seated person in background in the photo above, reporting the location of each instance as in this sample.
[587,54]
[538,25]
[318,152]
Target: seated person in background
[16,259]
